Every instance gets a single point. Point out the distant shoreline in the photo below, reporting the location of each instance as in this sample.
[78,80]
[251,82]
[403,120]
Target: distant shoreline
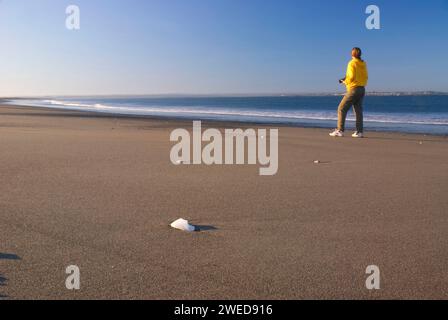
[231,95]
[218,122]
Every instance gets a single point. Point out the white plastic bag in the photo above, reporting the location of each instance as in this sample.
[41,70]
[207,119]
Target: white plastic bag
[183,225]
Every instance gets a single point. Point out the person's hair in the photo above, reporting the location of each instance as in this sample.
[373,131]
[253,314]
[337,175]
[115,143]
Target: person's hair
[357,52]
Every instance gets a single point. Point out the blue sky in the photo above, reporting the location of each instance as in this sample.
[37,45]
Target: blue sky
[218,46]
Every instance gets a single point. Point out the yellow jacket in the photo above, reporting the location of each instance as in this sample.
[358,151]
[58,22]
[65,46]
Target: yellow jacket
[357,74]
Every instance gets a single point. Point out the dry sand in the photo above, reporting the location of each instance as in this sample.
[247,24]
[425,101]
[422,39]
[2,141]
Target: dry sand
[100,191]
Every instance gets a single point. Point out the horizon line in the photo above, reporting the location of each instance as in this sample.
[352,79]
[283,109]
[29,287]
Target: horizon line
[267,94]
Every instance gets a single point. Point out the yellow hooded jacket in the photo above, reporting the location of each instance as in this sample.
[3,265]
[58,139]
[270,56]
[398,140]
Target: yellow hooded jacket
[357,74]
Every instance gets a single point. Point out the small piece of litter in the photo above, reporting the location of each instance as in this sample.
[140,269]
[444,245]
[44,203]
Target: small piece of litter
[183,225]
[316,161]
[421,142]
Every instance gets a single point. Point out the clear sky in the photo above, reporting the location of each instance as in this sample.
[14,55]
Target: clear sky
[218,46]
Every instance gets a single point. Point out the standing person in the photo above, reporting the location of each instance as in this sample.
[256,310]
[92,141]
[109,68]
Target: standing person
[355,81]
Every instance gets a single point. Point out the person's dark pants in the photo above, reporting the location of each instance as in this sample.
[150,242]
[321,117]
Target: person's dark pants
[353,98]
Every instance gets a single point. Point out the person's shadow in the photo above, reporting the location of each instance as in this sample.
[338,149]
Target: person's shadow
[8,256]
[3,279]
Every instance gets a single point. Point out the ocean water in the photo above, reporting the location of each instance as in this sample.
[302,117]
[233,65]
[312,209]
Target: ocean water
[401,113]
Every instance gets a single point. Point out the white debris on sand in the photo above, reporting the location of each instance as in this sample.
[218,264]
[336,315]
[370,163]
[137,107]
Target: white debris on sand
[183,225]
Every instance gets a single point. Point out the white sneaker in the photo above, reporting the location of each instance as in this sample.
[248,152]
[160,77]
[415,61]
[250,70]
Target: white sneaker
[358,135]
[337,133]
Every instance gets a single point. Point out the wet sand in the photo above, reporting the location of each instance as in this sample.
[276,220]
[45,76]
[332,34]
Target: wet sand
[99,192]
